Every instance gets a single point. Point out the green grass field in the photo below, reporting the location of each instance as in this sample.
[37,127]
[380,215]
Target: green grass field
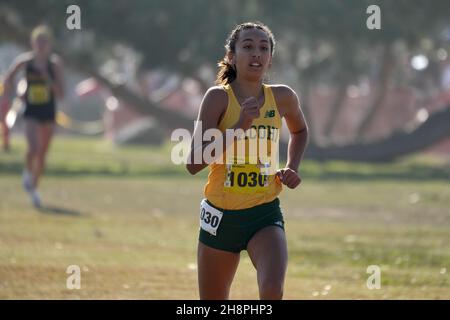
[129,219]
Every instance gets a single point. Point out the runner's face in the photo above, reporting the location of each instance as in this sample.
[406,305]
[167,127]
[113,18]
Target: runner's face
[42,46]
[253,54]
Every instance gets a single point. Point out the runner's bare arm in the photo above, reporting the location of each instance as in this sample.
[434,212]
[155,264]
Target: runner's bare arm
[290,109]
[8,83]
[15,67]
[212,107]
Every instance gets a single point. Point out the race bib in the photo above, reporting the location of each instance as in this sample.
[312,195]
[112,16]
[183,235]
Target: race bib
[246,178]
[210,217]
[38,94]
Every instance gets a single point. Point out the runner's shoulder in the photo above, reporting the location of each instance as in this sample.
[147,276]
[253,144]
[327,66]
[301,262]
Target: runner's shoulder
[55,59]
[216,96]
[217,92]
[19,62]
[283,92]
[23,58]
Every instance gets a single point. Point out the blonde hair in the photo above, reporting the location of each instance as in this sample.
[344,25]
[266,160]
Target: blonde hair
[41,31]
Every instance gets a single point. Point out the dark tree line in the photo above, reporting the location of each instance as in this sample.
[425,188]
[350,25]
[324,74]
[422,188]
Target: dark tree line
[183,36]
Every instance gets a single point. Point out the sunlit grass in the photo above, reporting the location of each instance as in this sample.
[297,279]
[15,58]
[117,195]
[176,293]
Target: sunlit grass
[128,218]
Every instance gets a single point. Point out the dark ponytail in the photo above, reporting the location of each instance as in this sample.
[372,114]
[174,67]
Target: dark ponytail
[227,72]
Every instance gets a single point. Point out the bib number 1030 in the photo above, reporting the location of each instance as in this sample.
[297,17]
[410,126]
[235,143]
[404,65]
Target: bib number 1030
[246,178]
[210,218]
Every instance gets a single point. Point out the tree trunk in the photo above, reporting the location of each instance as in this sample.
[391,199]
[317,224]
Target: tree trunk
[401,143]
[380,94]
[336,107]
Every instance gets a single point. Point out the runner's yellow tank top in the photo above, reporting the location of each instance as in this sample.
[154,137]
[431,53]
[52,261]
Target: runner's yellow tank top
[241,184]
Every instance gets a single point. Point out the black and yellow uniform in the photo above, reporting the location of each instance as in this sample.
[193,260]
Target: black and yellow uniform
[39,99]
[242,197]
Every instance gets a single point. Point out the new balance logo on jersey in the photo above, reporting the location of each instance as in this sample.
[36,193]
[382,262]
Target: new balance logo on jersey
[270,114]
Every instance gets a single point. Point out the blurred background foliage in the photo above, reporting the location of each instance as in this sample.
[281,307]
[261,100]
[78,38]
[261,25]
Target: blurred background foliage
[357,86]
